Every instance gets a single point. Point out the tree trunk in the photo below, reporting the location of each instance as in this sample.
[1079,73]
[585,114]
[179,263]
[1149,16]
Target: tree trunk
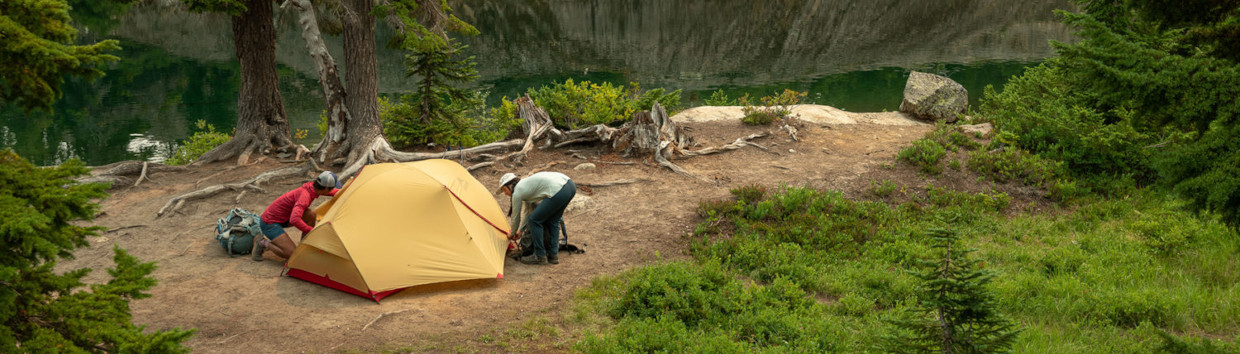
[363,132]
[261,120]
[329,76]
[362,74]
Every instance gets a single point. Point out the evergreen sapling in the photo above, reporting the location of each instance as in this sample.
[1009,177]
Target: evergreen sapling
[955,312]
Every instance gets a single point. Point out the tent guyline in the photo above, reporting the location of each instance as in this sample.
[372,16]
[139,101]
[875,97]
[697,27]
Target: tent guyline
[471,209]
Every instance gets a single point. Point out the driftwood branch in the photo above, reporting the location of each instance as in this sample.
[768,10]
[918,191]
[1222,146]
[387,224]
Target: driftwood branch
[480,165]
[740,142]
[252,184]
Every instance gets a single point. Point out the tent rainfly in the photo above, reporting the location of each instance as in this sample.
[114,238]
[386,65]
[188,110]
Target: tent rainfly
[397,225]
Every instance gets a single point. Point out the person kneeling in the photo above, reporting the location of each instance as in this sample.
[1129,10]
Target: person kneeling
[292,208]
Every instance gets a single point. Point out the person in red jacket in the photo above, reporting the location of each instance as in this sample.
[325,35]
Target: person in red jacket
[292,209]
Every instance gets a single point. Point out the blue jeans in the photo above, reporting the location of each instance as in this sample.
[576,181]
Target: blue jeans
[546,218]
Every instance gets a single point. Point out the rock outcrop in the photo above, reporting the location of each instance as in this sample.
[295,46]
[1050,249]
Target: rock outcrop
[932,97]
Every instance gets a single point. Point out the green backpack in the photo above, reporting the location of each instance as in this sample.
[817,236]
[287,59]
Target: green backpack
[236,232]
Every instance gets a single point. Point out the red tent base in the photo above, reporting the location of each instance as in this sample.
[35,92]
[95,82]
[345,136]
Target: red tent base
[325,281]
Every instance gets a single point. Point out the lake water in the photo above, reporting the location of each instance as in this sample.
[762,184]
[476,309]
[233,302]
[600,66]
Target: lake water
[177,68]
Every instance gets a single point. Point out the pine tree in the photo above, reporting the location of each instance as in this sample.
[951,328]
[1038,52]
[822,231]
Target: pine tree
[37,51]
[955,312]
[41,311]
[438,104]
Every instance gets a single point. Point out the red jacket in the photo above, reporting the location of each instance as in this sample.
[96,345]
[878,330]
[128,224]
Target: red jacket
[288,208]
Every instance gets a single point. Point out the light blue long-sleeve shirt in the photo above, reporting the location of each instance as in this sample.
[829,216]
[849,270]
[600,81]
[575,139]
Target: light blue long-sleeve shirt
[531,190]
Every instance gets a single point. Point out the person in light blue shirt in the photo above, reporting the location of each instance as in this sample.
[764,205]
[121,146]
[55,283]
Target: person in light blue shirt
[551,191]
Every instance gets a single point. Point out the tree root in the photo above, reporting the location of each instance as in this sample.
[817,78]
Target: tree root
[141,176]
[252,184]
[120,173]
[380,150]
[650,132]
[740,142]
[676,168]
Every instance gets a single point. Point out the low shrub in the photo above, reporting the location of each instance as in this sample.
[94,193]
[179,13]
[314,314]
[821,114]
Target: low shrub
[719,98]
[925,154]
[705,300]
[951,137]
[1012,164]
[1166,233]
[804,270]
[883,189]
[200,143]
[942,197]
[760,117]
[749,194]
[574,105]
[772,108]
[710,208]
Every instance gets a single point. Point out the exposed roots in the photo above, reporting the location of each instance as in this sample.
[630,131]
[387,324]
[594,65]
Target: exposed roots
[239,147]
[252,184]
[141,176]
[740,142]
[244,147]
[126,173]
[648,133]
[379,150]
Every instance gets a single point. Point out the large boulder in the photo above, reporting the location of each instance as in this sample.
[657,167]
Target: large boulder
[932,97]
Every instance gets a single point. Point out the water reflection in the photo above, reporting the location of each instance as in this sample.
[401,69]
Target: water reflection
[148,98]
[178,67]
[702,44]
[149,147]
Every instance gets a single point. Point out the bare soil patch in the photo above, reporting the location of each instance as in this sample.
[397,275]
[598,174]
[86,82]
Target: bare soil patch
[239,305]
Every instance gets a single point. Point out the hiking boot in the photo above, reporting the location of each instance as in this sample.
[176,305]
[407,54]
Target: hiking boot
[533,259]
[553,259]
[256,253]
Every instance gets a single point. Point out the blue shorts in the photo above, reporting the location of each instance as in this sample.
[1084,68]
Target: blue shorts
[272,230]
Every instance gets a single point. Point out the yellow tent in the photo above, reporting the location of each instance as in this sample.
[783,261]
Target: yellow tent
[399,225]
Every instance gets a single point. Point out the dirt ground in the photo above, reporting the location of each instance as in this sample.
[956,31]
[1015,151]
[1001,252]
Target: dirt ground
[238,305]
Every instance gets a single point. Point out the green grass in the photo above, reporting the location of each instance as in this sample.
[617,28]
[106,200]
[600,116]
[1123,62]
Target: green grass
[804,270]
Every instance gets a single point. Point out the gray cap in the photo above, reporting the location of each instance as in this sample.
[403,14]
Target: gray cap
[326,180]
